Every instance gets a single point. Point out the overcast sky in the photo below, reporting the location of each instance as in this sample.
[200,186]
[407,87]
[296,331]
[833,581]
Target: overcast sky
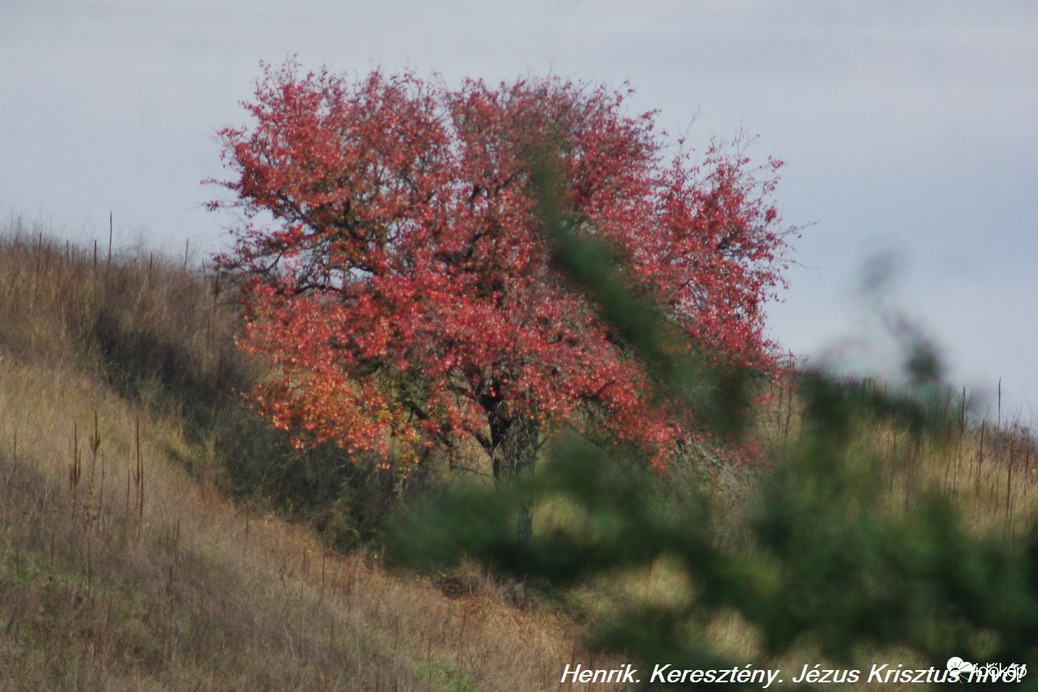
[908,128]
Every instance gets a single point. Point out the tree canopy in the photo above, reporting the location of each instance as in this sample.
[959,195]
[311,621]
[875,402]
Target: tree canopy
[394,273]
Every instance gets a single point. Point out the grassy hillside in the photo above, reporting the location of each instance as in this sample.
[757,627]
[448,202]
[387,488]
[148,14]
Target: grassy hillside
[989,471]
[155,535]
[124,565]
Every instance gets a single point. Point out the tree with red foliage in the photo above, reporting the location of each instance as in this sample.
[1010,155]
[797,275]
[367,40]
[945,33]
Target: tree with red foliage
[394,272]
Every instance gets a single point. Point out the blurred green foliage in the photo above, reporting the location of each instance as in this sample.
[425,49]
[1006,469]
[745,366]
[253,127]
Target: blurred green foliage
[824,566]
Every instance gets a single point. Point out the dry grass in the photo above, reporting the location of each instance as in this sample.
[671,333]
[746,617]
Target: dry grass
[124,566]
[988,470]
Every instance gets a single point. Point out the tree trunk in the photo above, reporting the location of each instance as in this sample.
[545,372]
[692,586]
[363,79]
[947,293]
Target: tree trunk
[514,441]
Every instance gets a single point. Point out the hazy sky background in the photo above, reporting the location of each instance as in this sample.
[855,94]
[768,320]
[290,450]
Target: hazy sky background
[908,128]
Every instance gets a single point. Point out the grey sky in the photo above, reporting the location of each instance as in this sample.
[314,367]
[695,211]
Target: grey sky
[906,126]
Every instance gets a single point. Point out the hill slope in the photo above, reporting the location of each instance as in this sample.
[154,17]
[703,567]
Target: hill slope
[122,563]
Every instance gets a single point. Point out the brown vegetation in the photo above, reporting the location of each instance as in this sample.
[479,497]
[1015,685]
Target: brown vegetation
[154,534]
[988,470]
[123,565]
